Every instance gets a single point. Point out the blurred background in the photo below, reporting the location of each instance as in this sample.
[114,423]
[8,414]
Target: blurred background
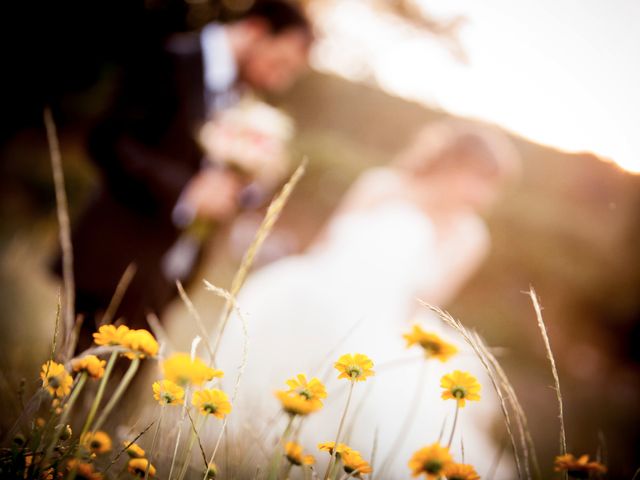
[560,77]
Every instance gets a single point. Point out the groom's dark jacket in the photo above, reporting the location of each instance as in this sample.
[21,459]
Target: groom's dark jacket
[146,152]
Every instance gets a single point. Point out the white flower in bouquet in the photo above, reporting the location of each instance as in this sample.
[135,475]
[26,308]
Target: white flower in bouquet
[251,137]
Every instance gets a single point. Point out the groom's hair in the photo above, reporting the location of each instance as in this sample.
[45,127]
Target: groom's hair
[279,16]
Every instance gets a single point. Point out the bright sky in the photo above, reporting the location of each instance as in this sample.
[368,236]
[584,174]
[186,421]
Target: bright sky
[565,73]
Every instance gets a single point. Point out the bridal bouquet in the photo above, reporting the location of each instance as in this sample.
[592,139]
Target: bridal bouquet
[252,138]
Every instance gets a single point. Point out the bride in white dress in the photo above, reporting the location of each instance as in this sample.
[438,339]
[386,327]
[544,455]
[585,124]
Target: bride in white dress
[410,230]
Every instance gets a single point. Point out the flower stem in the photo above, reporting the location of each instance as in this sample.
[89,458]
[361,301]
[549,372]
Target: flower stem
[340,426]
[306,471]
[453,428]
[124,383]
[153,445]
[276,459]
[65,416]
[94,407]
[192,439]
[100,393]
[184,415]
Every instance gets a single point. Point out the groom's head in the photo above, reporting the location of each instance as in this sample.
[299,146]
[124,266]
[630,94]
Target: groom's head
[271,43]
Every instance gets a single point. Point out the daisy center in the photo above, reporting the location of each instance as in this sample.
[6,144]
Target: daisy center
[304,392]
[354,371]
[167,397]
[432,466]
[459,392]
[431,347]
[210,408]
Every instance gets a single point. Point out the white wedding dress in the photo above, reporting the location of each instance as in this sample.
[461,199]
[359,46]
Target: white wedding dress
[355,293]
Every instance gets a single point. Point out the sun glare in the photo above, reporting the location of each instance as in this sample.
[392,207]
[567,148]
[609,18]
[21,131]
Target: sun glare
[559,84]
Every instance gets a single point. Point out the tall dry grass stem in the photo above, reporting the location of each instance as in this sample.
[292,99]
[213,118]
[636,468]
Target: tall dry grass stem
[472,342]
[273,213]
[530,456]
[231,300]
[126,447]
[152,451]
[554,370]
[56,327]
[118,294]
[196,317]
[193,435]
[160,333]
[62,210]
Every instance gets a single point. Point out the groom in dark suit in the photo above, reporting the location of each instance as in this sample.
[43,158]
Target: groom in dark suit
[149,159]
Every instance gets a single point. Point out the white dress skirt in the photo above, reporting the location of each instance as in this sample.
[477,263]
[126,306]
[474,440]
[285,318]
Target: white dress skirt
[356,293]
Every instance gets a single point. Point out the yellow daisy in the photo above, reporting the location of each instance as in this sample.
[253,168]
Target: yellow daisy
[133,450]
[90,364]
[460,471]
[432,344]
[84,471]
[97,442]
[212,402]
[180,368]
[356,367]
[212,470]
[302,397]
[168,393]
[138,466]
[329,446]
[460,386]
[431,461]
[141,342]
[312,390]
[295,404]
[294,453]
[578,467]
[56,379]
[354,464]
[66,433]
[110,335]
